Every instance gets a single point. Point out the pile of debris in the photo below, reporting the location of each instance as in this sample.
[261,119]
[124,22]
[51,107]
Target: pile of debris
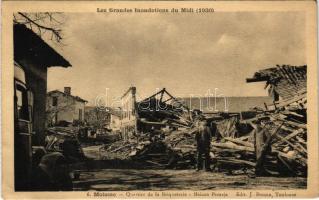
[122,149]
[269,144]
[64,140]
[274,141]
[161,110]
[56,136]
[183,148]
[281,131]
[233,154]
[270,141]
[151,153]
[274,145]
[281,140]
[176,150]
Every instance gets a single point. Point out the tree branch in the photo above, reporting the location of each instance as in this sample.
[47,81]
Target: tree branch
[55,32]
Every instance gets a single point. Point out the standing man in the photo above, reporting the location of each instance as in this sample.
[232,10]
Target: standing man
[203,138]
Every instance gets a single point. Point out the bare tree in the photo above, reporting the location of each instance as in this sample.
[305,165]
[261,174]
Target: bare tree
[52,111]
[46,24]
[97,117]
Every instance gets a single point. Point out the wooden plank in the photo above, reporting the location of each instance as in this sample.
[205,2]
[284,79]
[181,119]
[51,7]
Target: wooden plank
[122,147]
[292,145]
[222,150]
[295,133]
[286,128]
[232,146]
[155,163]
[303,148]
[287,112]
[301,140]
[304,126]
[291,135]
[237,141]
[259,79]
[236,161]
[259,142]
[290,101]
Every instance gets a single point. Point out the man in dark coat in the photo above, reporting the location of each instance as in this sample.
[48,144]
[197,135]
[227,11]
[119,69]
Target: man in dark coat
[203,138]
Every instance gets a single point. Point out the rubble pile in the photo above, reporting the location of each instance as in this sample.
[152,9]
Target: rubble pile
[227,126]
[286,138]
[127,149]
[281,130]
[270,141]
[234,153]
[68,131]
[57,135]
[183,147]
[177,150]
[161,110]
[64,140]
[151,153]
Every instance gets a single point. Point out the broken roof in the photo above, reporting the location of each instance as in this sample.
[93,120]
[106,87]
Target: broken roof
[75,97]
[285,80]
[29,45]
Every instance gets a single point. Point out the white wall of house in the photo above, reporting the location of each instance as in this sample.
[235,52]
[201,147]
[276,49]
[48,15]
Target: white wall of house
[78,111]
[115,122]
[128,118]
[67,108]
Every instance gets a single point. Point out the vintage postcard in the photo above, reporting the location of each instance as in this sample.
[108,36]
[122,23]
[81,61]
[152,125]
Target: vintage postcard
[159,100]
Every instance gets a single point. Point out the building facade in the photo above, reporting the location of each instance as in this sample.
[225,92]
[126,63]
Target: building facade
[127,118]
[62,106]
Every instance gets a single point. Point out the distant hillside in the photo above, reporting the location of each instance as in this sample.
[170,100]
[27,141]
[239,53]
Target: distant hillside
[231,104]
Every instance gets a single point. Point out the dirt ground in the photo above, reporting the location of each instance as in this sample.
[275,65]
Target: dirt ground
[137,179]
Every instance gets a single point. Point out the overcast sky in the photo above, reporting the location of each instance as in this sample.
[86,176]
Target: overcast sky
[185,53]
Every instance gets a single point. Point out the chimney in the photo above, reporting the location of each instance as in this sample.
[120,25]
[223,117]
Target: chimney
[67,90]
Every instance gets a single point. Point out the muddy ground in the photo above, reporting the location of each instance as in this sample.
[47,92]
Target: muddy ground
[133,179]
[119,175]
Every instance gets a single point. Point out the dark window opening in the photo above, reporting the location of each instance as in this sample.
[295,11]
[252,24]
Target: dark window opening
[80,114]
[54,101]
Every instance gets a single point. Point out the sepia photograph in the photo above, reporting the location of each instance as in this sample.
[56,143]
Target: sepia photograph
[129,98]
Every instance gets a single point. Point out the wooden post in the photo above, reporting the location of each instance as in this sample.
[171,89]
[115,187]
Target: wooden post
[259,143]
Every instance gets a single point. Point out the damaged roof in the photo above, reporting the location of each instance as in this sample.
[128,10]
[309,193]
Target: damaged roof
[285,80]
[75,97]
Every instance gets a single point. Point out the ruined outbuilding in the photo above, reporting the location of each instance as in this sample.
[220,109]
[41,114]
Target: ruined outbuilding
[286,84]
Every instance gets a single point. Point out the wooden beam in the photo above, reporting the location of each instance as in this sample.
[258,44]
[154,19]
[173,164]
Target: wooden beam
[255,79]
[247,144]
[232,146]
[290,101]
[300,150]
[154,95]
[236,161]
[304,126]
